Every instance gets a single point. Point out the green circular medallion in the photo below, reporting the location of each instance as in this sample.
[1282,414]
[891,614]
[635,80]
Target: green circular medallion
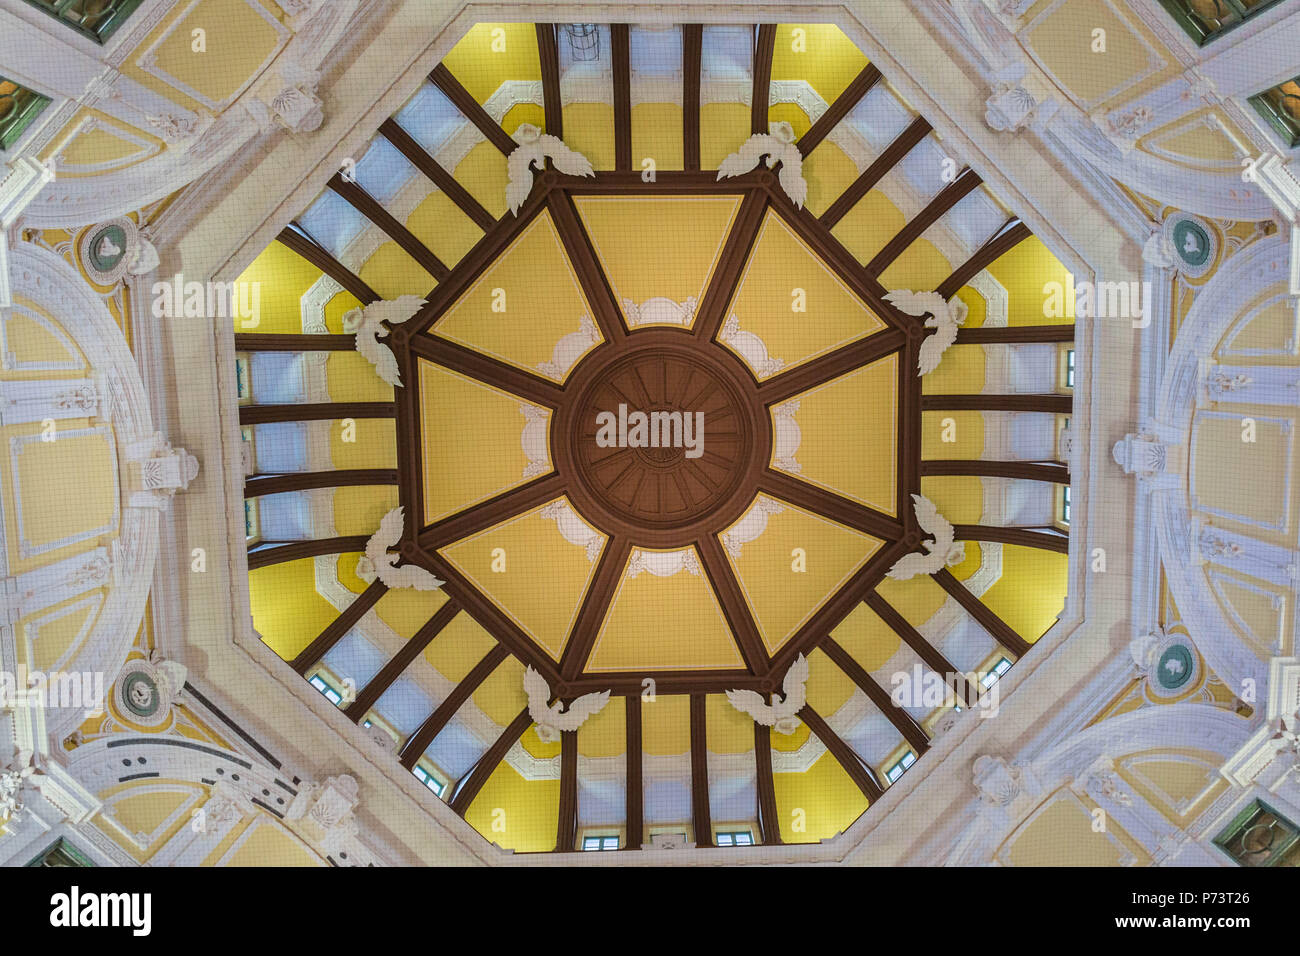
[1175,667]
[140,694]
[107,247]
[1192,243]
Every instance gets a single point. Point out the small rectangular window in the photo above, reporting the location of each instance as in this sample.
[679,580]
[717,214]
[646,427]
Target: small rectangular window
[1206,20]
[243,379]
[597,843]
[733,838]
[1001,667]
[1069,368]
[426,778]
[896,771]
[19,108]
[322,685]
[1280,107]
[96,19]
[1065,504]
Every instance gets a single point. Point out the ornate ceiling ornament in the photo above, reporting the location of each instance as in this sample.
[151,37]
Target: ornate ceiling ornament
[780,714]
[555,719]
[751,526]
[660,311]
[749,347]
[778,146]
[114,249]
[383,563]
[943,550]
[535,147]
[573,529]
[664,564]
[945,317]
[570,348]
[147,688]
[368,325]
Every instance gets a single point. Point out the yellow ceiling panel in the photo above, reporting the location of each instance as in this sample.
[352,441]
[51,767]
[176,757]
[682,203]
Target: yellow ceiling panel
[501,696]
[406,610]
[828,687]
[819,54]
[796,306]
[666,726]
[459,647]
[604,734]
[869,640]
[822,802]
[728,731]
[522,306]
[491,54]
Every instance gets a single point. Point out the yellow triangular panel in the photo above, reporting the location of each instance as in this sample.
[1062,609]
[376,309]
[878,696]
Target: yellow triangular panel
[523,306]
[664,623]
[657,248]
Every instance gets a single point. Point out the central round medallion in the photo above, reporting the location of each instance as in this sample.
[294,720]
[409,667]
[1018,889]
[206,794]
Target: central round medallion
[664,437]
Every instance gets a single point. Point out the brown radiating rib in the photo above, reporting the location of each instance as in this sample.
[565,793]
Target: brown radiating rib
[622,59]
[485,514]
[711,313]
[1016,334]
[320,257]
[549,54]
[1049,539]
[595,605]
[1032,471]
[313,412]
[858,772]
[595,287]
[831,366]
[882,164]
[1060,404]
[903,722]
[283,551]
[478,775]
[257,485]
[668,182]
[909,433]
[934,659]
[841,108]
[394,668]
[483,368]
[948,197]
[829,505]
[471,110]
[410,477]
[768,824]
[731,598]
[421,160]
[1012,233]
[692,49]
[566,829]
[275,342]
[310,655]
[700,817]
[635,794]
[665,682]
[368,206]
[764,46]
[433,724]
[1000,630]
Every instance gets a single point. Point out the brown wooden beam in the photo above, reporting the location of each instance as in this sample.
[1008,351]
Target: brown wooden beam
[1060,404]
[635,794]
[858,772]
[498,508]
[394,668]
[595,287]
[829,505]
[668,182]
[281,551]
[421,160]
[692,50]
[700,817]
[419,741]
[275,342]
[595,605]
[372,209]
[483,368]
[622,60]
[967,694]
[471,110]
[566,828]
[764,46]
[910,430]
[711,314]
[310,655]
[1031,471]
[1048,539]
[1012,233]
[321,258]
[469,788]
[903,722]
[257,485]
[549,54]
[407,433]
[881,165]
[832,365]
[313,412]
[669,683]
[768,824]
[1015,334]
[948,197]
[841,108]
[1000,630]
[731,598]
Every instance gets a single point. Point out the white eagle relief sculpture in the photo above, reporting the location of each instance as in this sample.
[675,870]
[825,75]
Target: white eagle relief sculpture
[777,144]
[778,714]
[943,550]
[534,147]
[553,720]
[380,562]
[945,317]
[366,324]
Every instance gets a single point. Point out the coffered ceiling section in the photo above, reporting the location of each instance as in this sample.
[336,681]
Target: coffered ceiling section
[653,414]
